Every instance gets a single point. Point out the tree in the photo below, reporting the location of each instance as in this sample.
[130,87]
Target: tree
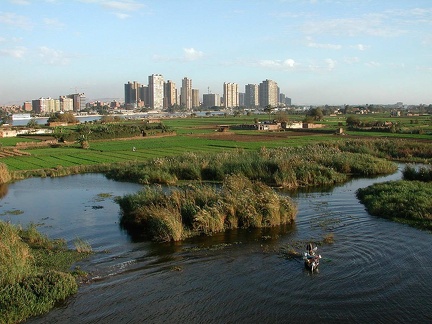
[84,132]
[282,117]
[316,113]
[32,123]
[353,121]
[269,110]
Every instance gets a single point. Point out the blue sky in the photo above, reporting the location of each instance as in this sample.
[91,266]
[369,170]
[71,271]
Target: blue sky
[318,51]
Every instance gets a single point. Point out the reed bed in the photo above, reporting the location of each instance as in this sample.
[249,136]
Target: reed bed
[34,272]
[402,201]
[422,173]
[204,209]
[287,167]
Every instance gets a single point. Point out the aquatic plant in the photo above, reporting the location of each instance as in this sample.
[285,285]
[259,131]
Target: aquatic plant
[204,209]
[5,176]
[421,173]
[402,201]
[33,272]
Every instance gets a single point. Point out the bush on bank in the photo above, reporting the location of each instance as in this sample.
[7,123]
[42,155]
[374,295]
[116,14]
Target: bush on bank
[422,173]
[202,209]
[402,201]
[33,273]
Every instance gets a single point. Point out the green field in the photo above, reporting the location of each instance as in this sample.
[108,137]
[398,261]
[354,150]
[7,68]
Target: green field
[199,135]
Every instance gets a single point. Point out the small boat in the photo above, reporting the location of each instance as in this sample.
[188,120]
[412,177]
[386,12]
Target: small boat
[311,258]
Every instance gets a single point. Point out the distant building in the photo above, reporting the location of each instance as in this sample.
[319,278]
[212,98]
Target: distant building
[268,93]
[66,104]
[27,106]
[170,94]
[211,100]
[282,98]
[230,93]
[186,93]
[156,91]
[79,101]
[251,96]
[131,93]
[195,98]
[45,105]
[241,99]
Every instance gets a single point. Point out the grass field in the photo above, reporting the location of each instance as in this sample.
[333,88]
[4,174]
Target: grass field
[197,135]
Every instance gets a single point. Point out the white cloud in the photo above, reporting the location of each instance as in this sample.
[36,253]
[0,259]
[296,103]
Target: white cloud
[191,54]
[119,8]
[351,60]
[311,43]
[360,47]
[123,5]
[278,64]
[18,52]
[12,19]
[371,25]
[373,64]
[52,57]
[331,64]
[53,22]
[20,2]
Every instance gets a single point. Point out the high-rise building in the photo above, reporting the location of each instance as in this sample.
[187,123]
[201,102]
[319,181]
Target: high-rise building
[143,96]
[156,91]
[211,100]
[241,99]
[66,104]
[230,92]
[131,93]
[186,93]
[282,98]
[268,93]
[79,101]
[251,95]
[46,105]
[195,98]
[170,94]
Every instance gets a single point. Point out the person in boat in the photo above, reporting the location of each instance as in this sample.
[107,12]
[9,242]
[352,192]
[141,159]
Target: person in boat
[310,256]
[310,250]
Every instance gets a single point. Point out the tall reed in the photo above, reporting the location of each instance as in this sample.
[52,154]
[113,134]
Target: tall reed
[203,209]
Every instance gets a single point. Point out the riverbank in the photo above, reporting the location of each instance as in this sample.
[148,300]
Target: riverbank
[34,272]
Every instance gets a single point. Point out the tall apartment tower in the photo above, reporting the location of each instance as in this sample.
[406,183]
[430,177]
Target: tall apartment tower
[156,91]
[131,92]
[230,93]
[195,98]
[268,93]
[251,95]
[186,93]
[79,101]
[170,94]
[211,100]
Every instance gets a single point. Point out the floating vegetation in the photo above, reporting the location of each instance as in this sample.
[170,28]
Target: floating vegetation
[82,246]
[12,212]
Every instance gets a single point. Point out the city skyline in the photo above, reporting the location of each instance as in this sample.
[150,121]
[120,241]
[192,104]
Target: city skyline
[319,51]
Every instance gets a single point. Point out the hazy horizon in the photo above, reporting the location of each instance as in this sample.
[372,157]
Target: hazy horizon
[318,51]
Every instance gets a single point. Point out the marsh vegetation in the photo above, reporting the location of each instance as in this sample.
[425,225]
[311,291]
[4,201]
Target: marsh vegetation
[34,272]
[204,209]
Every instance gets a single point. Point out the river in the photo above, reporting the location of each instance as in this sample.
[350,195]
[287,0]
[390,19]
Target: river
[376,271]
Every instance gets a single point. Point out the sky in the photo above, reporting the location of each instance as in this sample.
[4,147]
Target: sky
[319,52]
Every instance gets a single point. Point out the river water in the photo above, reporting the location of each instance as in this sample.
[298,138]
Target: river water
[376,271]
